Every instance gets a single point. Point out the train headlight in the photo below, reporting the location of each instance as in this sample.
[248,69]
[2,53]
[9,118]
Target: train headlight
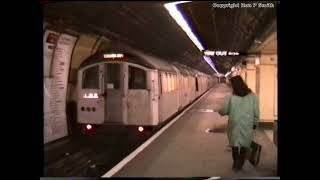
[140,128]
[89,126]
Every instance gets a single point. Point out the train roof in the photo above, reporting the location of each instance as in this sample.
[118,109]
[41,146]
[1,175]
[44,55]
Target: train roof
[137,57]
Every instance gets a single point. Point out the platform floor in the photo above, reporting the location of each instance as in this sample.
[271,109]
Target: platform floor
[185,149]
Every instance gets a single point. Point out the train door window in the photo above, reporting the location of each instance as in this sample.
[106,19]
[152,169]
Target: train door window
[112,78]
[137,78]
[90,78]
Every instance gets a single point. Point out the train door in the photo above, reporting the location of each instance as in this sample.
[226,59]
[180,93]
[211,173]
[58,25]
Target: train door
[91,102]
[138,96]
[113,90]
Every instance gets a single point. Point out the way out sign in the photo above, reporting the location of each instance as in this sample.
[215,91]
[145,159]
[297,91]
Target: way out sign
[220,53]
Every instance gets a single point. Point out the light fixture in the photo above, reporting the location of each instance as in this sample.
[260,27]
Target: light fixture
[177,16]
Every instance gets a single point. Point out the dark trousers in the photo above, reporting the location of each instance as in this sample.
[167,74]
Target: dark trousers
[239,157]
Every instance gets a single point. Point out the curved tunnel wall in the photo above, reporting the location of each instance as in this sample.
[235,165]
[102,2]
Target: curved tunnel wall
[57,125]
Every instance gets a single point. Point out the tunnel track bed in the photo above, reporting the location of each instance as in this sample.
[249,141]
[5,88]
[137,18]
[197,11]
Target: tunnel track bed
[96,149]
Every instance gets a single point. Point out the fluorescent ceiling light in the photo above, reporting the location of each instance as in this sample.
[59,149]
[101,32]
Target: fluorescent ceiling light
[177,16]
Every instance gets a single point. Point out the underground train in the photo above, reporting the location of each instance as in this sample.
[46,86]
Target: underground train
[122,86]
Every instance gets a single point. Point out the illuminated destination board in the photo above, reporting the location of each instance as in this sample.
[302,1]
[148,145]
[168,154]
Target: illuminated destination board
[112,56]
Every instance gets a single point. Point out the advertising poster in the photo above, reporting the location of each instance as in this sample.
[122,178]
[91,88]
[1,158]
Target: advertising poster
[55,89]
[49,43]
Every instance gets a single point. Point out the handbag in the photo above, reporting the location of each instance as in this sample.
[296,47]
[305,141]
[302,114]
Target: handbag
[255,153]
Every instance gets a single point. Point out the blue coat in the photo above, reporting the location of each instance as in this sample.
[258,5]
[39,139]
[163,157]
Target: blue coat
[243,113]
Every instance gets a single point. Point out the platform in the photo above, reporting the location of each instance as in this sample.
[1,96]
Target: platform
[185,149]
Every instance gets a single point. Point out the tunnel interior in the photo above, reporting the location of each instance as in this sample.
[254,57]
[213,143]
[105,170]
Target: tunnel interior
[149,47]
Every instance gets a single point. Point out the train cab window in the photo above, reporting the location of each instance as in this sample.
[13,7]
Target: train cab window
[137,78]
[112,77]
[90,78]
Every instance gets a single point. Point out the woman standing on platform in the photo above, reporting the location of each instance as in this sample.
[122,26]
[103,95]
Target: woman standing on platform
[242,107]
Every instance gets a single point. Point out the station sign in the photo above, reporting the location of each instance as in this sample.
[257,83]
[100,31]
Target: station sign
[220,53]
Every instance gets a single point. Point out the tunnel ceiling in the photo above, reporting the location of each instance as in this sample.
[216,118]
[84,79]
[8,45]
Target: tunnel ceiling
[149,27]
[234,29]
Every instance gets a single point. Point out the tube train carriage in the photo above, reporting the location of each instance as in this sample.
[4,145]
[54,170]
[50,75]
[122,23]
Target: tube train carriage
[127,87]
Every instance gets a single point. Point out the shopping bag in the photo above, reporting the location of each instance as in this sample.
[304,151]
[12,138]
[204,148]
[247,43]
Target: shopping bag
[255,153]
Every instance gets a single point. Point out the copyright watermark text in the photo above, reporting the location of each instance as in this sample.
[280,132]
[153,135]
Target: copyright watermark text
[243,5]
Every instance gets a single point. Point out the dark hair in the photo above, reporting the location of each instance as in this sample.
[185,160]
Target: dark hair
[239,87]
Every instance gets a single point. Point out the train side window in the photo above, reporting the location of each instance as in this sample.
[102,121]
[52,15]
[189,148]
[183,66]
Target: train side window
[166,80]
[197,86]
[163,83]
[137,78]
[173,82]
[112,75]
[160,83]
[169,82]
[166,77]
[177,82]
[90,78]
